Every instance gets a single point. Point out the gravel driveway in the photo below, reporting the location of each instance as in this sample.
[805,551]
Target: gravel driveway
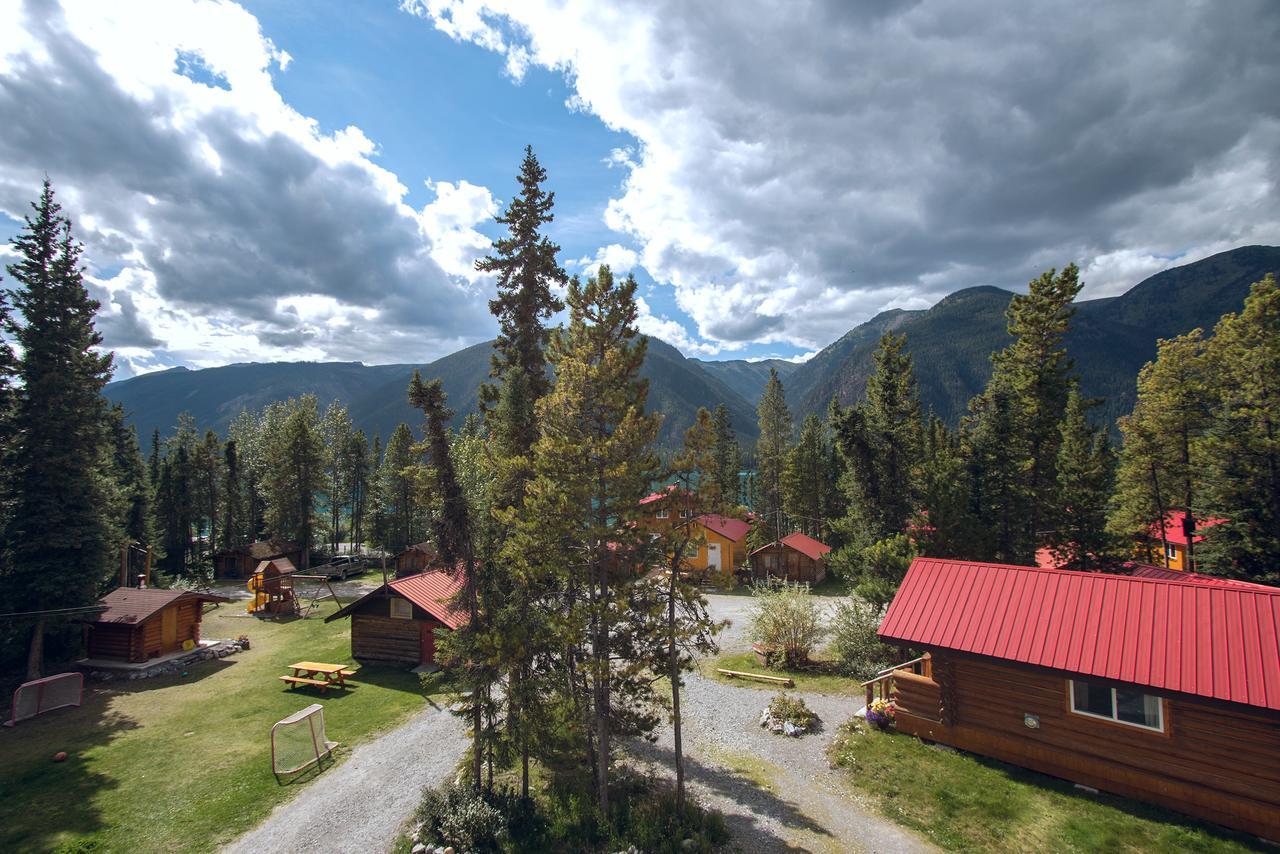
[360,804]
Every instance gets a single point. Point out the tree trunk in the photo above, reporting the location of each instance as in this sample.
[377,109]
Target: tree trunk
[673,673]
[35,652]
[1162,510]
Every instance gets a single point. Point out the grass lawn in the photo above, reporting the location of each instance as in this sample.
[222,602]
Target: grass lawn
[820,677]
[183,763]
[963,802]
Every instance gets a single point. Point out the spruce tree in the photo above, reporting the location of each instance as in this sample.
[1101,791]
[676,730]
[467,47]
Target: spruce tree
[527,269]
[728,457]
[358,464]
[1241,448]
[129,472]
[1027,395]
[58,538]
[1078,538]
[399,523]
[808,484]
[771,454]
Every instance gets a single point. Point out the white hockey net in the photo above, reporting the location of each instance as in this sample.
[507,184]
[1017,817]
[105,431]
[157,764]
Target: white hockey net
[44,695]
[299,741]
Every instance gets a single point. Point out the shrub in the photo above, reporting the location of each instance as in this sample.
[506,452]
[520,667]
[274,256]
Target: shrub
[792,710]
[785,618]
[881,567]
[857,648]
[462,817]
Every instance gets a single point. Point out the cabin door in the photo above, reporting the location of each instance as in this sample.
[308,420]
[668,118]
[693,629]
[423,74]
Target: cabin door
[427,642]
[713,557]
[168,629]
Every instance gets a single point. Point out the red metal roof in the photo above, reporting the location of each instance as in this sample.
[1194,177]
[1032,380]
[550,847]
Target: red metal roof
[725,526]
[1216,642]
[433,592]
[807,546]
[1174,531]
[1146,570]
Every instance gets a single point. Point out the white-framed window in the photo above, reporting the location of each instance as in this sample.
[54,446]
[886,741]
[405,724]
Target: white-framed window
[662,514]
[1120,705]
[686,514]
[1171,552]
[401,609]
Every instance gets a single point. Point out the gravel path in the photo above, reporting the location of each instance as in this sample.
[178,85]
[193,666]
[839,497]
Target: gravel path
[778,794]
[360,804]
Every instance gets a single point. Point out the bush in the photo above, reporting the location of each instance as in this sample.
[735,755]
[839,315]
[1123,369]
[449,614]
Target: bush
[881,567]
[785,618]
[791,710]
[855,645]
[462,817]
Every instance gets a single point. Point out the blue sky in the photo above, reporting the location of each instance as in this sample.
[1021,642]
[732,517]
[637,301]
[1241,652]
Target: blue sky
[271,180]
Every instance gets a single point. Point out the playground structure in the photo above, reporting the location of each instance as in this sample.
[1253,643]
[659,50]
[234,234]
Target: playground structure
[272,587]
[275,591]
[299,741]
[33,698]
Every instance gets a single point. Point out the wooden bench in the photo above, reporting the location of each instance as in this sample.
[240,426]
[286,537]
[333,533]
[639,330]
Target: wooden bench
[347,674]
[299,680]
[784,681]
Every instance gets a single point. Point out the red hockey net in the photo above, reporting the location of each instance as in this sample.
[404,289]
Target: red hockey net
[44,695]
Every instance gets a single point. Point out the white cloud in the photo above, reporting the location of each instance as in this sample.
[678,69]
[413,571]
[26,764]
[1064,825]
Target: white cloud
[672,332]
[799,167]
[620,259]
[221,224]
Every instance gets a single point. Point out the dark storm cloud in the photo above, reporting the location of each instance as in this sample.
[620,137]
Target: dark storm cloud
[841,157]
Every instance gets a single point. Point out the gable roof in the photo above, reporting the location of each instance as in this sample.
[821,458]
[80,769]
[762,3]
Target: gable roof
[806,545]
[431,591]
[1146,570]
[1172,635]
[726,526]
[132,605]
[425,547]
[263,549]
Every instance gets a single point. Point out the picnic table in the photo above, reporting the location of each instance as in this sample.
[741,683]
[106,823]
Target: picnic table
[318,674]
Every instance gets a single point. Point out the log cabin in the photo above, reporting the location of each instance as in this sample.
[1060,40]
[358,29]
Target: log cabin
[1163,690]
[241,561]
[140,623]
[396,624]
[795,557]
[417,558]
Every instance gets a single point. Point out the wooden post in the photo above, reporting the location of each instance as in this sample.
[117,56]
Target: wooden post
[146,573]
[124,566]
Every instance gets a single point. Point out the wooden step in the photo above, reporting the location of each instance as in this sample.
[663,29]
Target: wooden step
[785,681]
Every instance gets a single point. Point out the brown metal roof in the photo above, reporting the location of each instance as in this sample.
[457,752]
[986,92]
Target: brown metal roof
[131,605]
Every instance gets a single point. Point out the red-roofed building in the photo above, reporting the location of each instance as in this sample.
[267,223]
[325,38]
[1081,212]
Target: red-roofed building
[718,542]
[397,623]
[795,557]
[1167,690]
[1169,539]
[1145,570]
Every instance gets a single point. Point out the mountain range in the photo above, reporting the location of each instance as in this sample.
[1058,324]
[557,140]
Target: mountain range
[951,344]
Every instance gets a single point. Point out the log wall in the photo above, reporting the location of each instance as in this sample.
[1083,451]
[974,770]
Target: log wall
[1214,760]
[384,639]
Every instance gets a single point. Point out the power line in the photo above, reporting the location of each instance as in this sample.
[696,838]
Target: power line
[55,612]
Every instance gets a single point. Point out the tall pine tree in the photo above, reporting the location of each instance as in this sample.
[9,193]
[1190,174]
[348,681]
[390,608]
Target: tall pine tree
[58,536]
[771,456]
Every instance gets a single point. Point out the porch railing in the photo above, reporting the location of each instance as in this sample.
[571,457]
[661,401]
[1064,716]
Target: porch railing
[880,686]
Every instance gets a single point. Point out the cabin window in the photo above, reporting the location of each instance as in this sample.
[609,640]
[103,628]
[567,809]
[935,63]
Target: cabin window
[662,514]
[1122,705]
[401,609]
[686,514]
[1171,552]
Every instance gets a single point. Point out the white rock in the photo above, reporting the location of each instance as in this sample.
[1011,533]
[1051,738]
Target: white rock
[419,849]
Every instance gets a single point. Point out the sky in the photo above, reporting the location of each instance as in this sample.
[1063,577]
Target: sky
[271,180]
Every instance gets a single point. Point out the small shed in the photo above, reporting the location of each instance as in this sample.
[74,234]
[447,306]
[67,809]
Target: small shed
[795,557]
[396,623]
[417,558]
[242,561]
[140,623]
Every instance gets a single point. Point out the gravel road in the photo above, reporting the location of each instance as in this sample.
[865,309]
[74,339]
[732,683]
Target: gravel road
[360,804]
